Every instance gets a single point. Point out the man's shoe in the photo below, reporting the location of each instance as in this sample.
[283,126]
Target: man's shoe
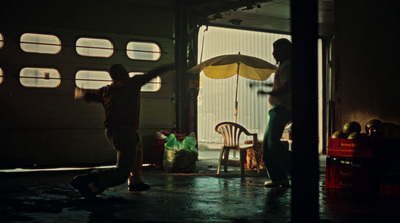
[279,183]
[81,183]
[138,187]
[95,189]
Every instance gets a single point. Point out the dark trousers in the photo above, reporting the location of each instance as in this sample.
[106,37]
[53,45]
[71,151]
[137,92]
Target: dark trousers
[124,139]
[276,155]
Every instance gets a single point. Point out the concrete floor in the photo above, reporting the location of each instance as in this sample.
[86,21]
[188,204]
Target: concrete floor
[203,196]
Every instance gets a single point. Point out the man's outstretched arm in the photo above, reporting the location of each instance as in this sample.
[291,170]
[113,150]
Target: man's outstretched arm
[158,71]
[88,96]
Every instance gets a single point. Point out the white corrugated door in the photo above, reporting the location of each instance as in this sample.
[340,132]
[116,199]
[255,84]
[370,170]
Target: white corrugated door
[216,97]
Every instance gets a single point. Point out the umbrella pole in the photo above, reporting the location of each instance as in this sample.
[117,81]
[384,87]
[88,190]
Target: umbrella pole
[236,101]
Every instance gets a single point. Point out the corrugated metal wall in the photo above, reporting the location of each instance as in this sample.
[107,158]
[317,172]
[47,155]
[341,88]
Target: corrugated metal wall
[216,97]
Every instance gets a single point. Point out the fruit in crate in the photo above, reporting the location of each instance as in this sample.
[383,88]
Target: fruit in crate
[354,135]
[358,135]
[375,128]
[351,126]
[339,135]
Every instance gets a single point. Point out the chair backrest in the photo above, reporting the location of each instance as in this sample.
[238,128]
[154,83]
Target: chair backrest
[231,132]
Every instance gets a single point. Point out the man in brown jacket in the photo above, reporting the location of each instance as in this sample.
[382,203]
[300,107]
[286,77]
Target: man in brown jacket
[121,102]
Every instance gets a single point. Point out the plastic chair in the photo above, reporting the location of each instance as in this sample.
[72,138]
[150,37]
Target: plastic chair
[231,132]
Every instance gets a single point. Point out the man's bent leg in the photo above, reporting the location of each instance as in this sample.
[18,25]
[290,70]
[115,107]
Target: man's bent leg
[118,175]
[135,182]
[124,140]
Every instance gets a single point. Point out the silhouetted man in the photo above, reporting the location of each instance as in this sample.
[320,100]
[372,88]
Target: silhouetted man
[121,102]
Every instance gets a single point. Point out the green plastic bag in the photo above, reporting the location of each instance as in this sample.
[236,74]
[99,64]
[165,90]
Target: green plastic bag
[180,156]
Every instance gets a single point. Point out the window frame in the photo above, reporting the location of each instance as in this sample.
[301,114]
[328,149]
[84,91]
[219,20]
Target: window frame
[86,80]
[99,48]
[1,40]
[23,43]
[1,75]
[38,78]
[127,50]
[108,80]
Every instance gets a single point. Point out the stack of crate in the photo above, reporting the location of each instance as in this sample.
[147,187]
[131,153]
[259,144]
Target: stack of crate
[350,165]
[387,159]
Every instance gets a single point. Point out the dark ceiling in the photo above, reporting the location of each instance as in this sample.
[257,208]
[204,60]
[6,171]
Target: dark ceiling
[258,15]
[267,15]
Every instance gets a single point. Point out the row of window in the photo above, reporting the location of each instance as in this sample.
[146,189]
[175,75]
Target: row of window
[85,46]
[93,47]
[1,45]
[1,41]
[85,79]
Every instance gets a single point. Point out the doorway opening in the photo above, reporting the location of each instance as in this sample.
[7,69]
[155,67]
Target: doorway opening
[216,98]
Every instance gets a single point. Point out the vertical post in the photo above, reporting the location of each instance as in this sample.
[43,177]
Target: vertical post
[236,96]
[182,79]
[305,169]
[237,86]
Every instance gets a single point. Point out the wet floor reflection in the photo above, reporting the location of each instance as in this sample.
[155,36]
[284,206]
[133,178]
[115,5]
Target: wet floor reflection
[196,197]
[222,199]
[278,201]
[355,206]
[227,197]
[172,198]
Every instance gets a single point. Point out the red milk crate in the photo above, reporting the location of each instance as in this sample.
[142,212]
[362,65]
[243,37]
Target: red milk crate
[361,148]
[251,162]
[347,174]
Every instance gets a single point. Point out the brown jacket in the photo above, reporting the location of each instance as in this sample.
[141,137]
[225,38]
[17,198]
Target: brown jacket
[121,101]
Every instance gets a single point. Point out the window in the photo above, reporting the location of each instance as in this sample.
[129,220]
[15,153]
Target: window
[40,43]
[153,86]
[1,75]
[40,77]
[1,40]
[143,51]
[94,47]
[92,79]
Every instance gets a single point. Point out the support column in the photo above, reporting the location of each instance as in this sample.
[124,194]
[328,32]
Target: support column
[182,78]
[305,168]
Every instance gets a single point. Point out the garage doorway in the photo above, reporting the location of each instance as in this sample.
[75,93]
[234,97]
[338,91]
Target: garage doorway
[216,96]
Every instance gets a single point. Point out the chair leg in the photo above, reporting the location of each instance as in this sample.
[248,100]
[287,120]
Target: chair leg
[226,157]
[220,160]
[242,160]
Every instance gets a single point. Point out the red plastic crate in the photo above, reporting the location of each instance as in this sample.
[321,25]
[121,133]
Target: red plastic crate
[346,173]
[349,148]
[158,146]
[346,178]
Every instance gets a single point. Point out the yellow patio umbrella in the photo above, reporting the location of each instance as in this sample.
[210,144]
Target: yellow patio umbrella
[225,66]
